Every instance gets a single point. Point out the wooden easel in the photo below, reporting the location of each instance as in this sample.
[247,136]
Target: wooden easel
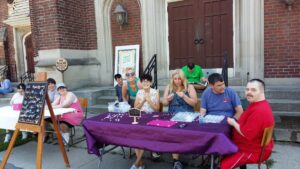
[40,130]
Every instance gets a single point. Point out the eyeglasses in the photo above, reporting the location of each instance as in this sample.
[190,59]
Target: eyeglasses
[130,74]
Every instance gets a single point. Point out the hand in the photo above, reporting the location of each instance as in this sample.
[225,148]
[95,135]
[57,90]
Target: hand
[231,121]
[180,94]
[170,97]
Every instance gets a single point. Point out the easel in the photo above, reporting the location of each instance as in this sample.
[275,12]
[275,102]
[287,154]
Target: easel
[40,130]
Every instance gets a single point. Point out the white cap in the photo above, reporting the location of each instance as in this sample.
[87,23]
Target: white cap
[60,85]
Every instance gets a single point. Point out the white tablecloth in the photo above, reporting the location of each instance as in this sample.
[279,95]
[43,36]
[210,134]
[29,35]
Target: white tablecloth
[9,117]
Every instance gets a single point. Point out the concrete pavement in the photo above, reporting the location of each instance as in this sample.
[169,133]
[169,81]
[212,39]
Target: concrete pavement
[286,156]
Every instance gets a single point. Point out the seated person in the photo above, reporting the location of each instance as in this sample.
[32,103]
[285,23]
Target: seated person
[6,86]
[181,97]
[68,120]
[16,102]
[220,100]
[248,130]
[131,87]
[52,92]
[147,100]
[118,87]
[194,75]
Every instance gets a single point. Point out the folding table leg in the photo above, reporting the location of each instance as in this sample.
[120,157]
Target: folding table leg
[212,161]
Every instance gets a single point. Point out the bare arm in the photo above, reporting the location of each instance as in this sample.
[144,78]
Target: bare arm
[235,124]
[124,92]
[167,98]
[238,111]
[192,98]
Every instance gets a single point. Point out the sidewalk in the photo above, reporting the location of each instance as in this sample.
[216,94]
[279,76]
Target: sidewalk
[286,156]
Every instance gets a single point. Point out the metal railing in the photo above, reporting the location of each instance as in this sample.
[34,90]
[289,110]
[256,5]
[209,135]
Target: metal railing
[225,68]
[152,70]
[27,76]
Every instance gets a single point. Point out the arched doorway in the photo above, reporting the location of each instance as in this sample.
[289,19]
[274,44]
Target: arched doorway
[29,54]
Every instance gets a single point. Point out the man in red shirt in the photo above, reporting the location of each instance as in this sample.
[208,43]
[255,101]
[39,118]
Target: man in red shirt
[249,129]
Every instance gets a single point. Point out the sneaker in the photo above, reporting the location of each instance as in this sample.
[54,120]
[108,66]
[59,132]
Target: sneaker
[155,156]
[7,137]
[24,135]
[66,138]
[133,167]
[142,167]
[177,165]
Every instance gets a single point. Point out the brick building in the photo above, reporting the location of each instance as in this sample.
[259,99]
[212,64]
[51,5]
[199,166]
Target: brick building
[262,38]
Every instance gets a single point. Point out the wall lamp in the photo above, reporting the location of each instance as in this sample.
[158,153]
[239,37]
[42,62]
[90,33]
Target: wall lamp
[289,3]
[121,14]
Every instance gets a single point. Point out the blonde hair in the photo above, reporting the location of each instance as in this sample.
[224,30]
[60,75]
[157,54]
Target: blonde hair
[172,86]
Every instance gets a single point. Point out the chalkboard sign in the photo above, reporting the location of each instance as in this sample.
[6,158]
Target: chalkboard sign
[33,103]
[134,112]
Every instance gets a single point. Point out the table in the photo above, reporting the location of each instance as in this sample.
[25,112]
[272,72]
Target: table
[9,117]
[195,138]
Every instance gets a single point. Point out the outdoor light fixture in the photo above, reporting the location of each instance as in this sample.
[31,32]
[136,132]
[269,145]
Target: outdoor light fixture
[289,3]
[121,15]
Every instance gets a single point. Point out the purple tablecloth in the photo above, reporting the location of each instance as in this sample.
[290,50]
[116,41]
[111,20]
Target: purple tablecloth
[116,129]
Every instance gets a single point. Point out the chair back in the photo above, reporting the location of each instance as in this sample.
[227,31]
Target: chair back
[266,139]
[161,107]
[84,103]
[197,106]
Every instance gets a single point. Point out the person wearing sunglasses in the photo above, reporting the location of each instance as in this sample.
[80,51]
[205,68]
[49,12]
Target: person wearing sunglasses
[131,87]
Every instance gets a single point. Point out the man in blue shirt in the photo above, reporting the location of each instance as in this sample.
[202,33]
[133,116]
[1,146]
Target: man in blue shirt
[220,100]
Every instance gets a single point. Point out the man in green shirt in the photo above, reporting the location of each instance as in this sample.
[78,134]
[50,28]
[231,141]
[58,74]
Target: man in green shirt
[194,74]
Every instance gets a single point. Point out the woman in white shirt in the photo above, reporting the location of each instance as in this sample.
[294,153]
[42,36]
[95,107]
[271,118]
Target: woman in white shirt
[16,103]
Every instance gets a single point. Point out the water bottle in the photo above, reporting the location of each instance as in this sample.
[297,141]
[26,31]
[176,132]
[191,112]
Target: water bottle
[201,120]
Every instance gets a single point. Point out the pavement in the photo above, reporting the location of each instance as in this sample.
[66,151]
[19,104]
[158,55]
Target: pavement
[285,155]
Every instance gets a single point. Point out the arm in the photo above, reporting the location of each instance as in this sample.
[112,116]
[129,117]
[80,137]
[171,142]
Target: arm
[238,111]
[154,105]
[13,98]
[124,92]
[167,98]
[192,98]
[235,124]
[202,111]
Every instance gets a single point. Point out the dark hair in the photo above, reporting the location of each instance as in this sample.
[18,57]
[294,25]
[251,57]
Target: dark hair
[191,65]
[261,82]
[146,77]
[51,80]
[215,77]
[117,76]
[21,86]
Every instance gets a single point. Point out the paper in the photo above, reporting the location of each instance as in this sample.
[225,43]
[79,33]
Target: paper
[214,118]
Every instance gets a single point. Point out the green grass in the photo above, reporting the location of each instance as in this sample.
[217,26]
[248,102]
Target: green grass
[19,141]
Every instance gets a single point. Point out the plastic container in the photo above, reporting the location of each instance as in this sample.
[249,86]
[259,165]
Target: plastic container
[201,119]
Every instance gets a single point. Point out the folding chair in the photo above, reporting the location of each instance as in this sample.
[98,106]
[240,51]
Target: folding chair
[267,137]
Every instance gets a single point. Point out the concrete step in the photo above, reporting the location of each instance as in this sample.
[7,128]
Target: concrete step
[104,100]
[289,135]
[98,109]
[287,105]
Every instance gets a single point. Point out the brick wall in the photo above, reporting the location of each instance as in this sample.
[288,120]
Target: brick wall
[282,40]
[129,34]
[64,24]
[7,50]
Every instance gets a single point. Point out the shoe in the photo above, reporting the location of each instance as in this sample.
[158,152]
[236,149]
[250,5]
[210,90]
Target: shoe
[66,138]
[142,167]
[177,165]
[155,156]
[7,137]
[24,135]
[133,167]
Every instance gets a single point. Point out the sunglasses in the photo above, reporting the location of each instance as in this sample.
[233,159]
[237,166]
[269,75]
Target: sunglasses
[130,74]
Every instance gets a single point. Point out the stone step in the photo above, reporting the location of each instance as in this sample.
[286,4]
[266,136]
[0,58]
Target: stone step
[104,100]
[98,109]
[290,135]
[285,105]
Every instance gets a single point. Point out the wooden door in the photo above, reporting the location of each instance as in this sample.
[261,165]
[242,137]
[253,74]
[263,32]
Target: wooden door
[200,31]
[29,54]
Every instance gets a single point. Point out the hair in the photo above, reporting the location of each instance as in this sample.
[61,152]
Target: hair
[215,77]
[172,86]
[51,80]
[117,76]
[147,77]
[260,82]
[21,86]
[191,65]
[129,68]
[2,78]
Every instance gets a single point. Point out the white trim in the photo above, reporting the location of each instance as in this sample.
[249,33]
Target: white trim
[24,50]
